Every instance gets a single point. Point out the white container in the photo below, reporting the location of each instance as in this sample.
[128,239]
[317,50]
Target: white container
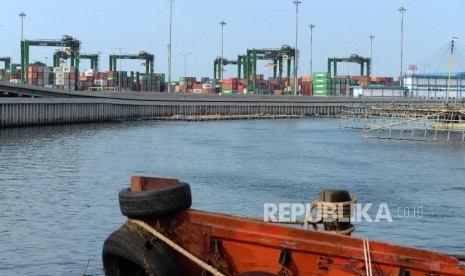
[59,82]
[197,91]
[56,69]
[89,73]
[60,75]
[66,69]
[207,85]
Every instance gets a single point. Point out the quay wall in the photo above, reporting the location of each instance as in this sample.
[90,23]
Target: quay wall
[44,111]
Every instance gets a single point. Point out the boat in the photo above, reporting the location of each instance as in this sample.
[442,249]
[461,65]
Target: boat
[164,236]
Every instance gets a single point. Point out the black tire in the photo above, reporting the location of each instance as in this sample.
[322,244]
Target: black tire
[155,203]
[135,252]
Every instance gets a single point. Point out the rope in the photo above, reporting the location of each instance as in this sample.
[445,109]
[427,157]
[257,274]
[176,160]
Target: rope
[176,247]
[366,253]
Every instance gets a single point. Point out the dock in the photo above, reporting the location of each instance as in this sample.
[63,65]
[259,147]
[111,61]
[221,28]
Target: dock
[44,106]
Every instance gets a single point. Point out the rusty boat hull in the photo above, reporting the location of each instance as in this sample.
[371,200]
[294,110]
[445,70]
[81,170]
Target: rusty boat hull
[237,245]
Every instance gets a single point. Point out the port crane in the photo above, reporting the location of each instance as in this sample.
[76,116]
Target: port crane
[277,56]
[7,61]
[64,55]
[364,62]
[147,57]
[217,66]
[66,41]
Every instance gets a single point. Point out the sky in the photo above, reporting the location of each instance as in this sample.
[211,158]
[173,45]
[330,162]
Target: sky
[342,28]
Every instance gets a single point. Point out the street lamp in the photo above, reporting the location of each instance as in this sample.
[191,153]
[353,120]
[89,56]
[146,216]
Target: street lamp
[119,64]
[222,23]
[22,15]
[169,46]
[23,58]
[296,58]
[402,11]
[185,66]
[371,37]
[311,26]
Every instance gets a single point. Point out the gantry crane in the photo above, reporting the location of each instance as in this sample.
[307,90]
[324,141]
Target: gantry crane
[66,41]
[277,56]
[7,61]
[217,66]
[94,60]
[65,54]
[147,57]
[59,56]
[332,62]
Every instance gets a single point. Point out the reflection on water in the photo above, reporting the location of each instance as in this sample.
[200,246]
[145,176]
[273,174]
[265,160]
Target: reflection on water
[60,184]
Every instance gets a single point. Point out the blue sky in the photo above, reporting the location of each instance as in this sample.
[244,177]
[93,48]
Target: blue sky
[342,28]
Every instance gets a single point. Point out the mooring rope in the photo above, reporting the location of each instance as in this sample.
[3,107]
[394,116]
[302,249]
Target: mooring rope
[366,253]
[176,247]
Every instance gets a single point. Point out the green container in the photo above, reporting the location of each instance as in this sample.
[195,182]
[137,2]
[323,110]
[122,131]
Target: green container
[227,91]
[9,71]
[320,75]
[1,77]
[160,77]
[182,79]
[320,80]
[320,92]
[321,86]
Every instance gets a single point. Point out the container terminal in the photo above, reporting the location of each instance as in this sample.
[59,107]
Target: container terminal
[65,74]
[437,115]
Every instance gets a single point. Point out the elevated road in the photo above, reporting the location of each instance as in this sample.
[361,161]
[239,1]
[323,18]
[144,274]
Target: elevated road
[21,90]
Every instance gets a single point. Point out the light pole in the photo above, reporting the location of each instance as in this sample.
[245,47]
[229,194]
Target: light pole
[371,37]
[185,67]
[311,26]
[296,57]
[222,23]
[22,15]
[23,65]
[402,11]
[169,46]
[119,63]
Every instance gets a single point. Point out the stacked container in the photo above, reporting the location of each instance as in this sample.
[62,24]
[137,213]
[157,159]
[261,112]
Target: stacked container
[320,83]
[38,75]
[65,78]
[229,86]
[13,75]
[160,82]
[209,87]
[305,85]
[101,80]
